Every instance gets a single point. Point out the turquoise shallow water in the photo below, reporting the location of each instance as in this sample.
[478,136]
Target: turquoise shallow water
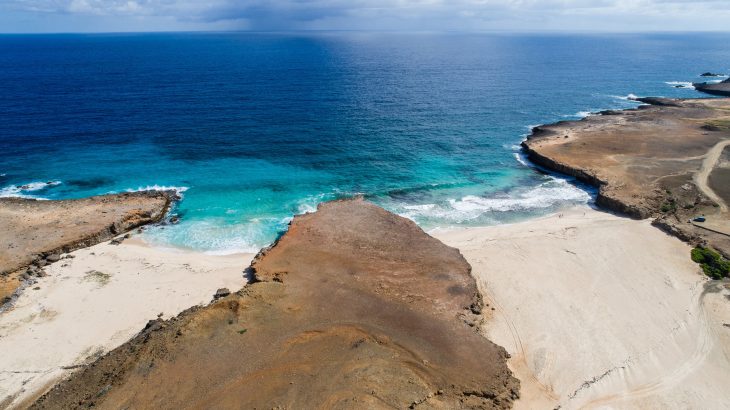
[258,127]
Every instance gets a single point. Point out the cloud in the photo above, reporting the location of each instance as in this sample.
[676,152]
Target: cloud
[400,14]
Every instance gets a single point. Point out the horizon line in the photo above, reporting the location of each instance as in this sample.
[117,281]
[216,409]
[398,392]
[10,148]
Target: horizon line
[492,31]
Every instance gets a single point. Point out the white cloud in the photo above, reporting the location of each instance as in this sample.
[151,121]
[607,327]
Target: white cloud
[406,14]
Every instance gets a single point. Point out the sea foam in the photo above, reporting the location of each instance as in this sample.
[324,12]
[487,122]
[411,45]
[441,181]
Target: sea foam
[178,189]
[580,114]
[21,191]
[681,84]
[552,193]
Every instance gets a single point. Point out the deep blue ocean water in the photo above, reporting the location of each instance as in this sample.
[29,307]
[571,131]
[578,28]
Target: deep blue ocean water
[258,127]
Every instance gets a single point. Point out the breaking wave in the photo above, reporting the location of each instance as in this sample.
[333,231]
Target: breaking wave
[681,84]
[553,193]
[22,191]
[178,189]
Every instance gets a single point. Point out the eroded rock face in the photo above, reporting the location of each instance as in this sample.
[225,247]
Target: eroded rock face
[644,161]
[36,232]
[353,307]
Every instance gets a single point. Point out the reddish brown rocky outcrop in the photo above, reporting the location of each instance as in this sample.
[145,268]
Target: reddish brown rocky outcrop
[353,307]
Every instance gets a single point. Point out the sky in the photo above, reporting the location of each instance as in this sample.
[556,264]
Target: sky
[38,16]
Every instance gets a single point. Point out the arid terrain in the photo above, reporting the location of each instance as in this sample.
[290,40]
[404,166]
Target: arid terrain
[660,160]
[352,307]
[35,233]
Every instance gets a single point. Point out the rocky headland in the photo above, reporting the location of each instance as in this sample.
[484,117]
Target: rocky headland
[36,232]
[721,88]
[660,160]
[352,307]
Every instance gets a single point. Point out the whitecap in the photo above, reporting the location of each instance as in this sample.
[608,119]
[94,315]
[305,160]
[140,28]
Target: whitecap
[306,208]
[522,159]
[422,207]
[21,191]
[629,97]
[580,114]
[545,195]
[213,236]
[681,84]
[529,130]
[552,193]
[178,189]
[309,204]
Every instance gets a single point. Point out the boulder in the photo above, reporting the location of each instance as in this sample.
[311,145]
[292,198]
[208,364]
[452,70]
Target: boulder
[221,293]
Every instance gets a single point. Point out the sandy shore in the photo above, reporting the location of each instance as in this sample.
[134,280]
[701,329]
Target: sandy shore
[597,311]
[95,302]
[600,311]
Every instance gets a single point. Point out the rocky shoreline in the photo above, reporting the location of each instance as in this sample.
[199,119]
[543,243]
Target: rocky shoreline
[39,232]
[721,88]
[644,161]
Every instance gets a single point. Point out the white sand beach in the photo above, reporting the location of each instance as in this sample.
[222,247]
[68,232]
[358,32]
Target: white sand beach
[96,301]
[600,311]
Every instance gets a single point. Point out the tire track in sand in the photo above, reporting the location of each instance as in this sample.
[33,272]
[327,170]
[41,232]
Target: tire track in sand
[701,178]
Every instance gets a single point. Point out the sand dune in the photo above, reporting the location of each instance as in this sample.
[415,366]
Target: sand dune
[600,311]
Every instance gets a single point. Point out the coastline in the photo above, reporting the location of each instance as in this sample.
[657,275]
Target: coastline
[526,272]
[95,300]
[537,278]
[36,232]
[649,162]
[594,308]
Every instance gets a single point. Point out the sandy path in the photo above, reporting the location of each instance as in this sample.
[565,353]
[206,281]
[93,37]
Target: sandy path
[602,312]
[96,301]
[713,155]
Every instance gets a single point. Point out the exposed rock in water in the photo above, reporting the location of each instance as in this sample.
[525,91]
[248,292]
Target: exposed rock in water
[353,307]
[37,232]
[709,74]
[722,88]
[660,101]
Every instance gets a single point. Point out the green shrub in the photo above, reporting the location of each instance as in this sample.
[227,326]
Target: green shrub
[669,207]
[711,262]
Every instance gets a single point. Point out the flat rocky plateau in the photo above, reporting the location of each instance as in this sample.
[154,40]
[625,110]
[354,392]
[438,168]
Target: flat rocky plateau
[36,232]
[353,307]
[662,160]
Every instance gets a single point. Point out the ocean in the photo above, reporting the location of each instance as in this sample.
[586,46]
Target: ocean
[253,128]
